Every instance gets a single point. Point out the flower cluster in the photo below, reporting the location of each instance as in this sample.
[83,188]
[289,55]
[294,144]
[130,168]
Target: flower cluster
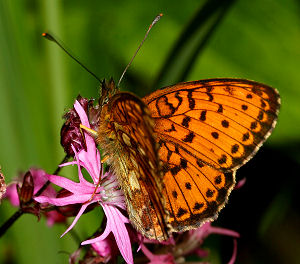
[36,196]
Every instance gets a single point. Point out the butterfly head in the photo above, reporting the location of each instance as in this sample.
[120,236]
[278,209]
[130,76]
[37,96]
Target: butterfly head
[108,89]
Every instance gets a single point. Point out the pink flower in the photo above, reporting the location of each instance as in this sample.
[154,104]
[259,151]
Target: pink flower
[188,243]
[39,177]
[108,194]
[240,184]
[54,217]
[104,248]
[12,194]
[157,259]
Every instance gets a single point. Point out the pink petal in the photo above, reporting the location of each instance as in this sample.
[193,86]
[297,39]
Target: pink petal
[103,236]
[240,183]
[62,201]
[12,194]
[39,178]
[223,231]
[54,217]
[103,248]
[85,121]
[74,187]
[68,163]
[157,259]
[201,252]
[91,157]
[233,258]
[116,224]
[77,161]
[81,211]
[80,111]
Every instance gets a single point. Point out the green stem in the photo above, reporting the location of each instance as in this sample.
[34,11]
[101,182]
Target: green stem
[10,221]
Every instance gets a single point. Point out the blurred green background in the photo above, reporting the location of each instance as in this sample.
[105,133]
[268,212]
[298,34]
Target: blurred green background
[257,40]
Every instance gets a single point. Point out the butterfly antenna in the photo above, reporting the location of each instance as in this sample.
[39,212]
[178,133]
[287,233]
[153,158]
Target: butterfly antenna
[157,18]
[51,38]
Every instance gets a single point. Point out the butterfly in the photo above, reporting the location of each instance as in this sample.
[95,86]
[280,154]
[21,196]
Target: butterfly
[2,185]
[176,151]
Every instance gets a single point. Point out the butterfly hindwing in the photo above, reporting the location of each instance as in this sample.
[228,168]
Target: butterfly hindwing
[194,192]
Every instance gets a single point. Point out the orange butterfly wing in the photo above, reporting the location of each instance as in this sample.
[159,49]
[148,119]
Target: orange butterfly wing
[206,130]
[126,135]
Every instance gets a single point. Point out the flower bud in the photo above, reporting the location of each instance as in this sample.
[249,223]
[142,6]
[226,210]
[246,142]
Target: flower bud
[71,133]
[26,190]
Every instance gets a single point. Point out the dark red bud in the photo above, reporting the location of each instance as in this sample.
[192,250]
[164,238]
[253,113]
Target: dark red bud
[71,133]
[26,191]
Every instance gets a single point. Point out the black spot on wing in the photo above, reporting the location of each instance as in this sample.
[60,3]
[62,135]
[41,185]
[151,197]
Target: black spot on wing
[220,109]
[234,148]
[209,193]
[189,137]
[181,212]
[191,100]
[215,135]
[170,129]
[225,123]
[188,186]
[246,136]
[185,122]
[198,206]
[174,194]
[223,159]
[203,115]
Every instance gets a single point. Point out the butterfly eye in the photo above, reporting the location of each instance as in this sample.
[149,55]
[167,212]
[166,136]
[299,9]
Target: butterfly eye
[105,101]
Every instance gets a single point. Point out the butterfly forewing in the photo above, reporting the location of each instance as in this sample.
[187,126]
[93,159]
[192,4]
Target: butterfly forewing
[133,153]
[221,121]
[206,130]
